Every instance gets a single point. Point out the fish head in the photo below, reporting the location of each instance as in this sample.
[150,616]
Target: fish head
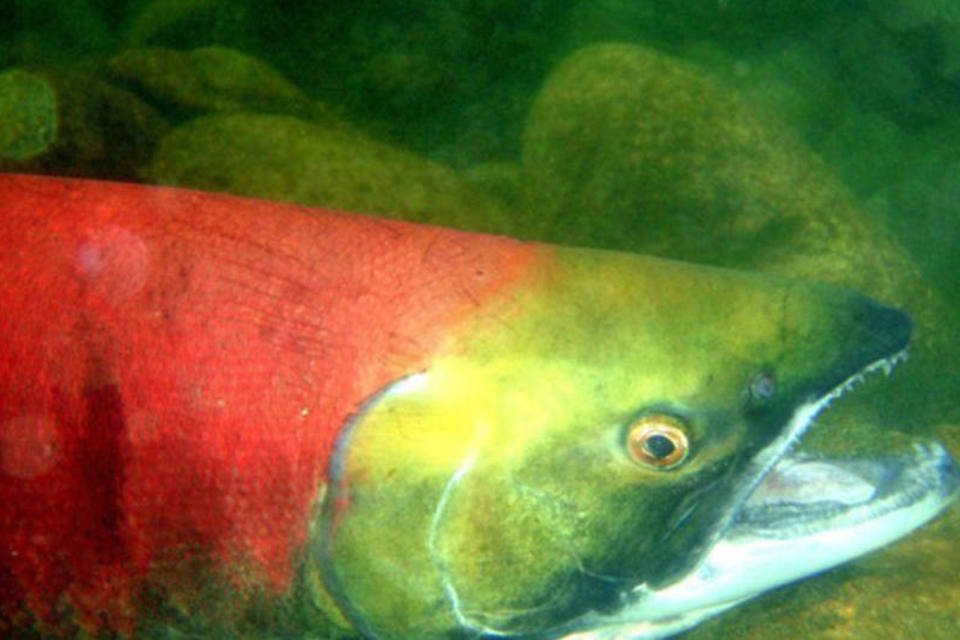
[593,431]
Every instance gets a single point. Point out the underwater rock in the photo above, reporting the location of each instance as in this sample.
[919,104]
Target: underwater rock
[632,149]
[668,161]
[28,115]
[284,158]
[98,130]
[211,79]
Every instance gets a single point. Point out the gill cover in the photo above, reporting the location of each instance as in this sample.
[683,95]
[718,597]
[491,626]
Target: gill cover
[577,437]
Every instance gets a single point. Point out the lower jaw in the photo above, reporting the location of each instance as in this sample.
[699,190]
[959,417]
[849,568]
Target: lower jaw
[800,515]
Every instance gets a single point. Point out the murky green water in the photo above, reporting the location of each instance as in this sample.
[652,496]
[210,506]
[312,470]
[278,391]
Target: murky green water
[816,139]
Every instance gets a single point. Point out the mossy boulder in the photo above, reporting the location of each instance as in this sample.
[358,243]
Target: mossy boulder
[28,115]
[285,158]
[73,123]
[211,79]
[632,149]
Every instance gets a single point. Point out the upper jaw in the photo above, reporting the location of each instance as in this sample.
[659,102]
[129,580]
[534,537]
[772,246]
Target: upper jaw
[816,512]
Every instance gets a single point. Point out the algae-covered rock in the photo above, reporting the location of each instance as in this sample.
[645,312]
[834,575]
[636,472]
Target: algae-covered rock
[629,148]
[211,79]
[28,115]
[94,129]
[284,158]
[632,149]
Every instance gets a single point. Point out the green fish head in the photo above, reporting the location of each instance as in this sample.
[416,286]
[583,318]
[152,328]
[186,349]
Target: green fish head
[592,430]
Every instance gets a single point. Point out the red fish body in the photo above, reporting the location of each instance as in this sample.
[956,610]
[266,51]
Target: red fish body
[174,370]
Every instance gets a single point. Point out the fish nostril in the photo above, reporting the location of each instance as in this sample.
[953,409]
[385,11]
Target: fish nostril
[891,326]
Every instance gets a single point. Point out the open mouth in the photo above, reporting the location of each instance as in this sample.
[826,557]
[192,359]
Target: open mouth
[794,515]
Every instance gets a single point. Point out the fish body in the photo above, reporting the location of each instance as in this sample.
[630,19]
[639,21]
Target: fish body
[407,431]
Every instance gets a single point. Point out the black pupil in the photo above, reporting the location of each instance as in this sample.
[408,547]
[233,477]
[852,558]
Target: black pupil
[659,446]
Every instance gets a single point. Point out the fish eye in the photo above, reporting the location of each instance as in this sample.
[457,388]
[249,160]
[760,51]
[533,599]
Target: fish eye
[657,441]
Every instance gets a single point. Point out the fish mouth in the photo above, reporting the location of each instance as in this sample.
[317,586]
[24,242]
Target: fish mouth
[793,515]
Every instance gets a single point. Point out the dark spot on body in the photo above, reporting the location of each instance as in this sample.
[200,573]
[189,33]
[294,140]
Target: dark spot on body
[100,459]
